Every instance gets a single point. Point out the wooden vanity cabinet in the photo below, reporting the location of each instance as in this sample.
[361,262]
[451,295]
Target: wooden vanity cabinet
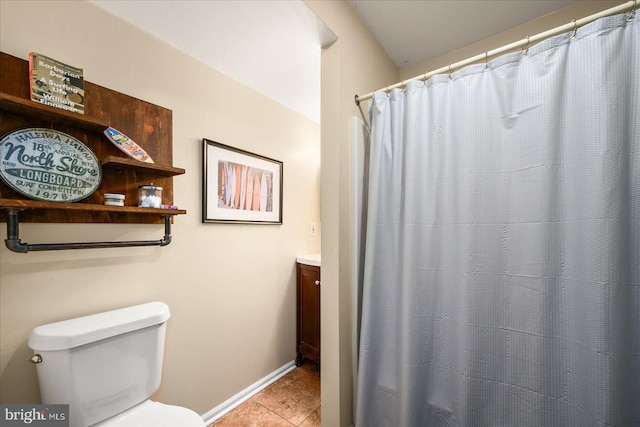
[308,314]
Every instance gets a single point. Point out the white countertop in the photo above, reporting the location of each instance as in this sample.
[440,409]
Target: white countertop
[313,259]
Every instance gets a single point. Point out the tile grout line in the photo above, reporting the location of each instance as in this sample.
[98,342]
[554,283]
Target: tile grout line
[275,413]
[310,413]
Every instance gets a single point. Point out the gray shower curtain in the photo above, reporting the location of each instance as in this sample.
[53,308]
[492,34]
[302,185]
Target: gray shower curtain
[502,260]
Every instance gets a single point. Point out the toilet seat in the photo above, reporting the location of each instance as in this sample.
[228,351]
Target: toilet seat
[154,414]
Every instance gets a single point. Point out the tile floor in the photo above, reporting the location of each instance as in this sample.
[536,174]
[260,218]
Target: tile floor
[293,400]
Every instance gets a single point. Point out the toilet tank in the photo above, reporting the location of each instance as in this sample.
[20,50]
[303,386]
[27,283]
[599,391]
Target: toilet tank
[101,364]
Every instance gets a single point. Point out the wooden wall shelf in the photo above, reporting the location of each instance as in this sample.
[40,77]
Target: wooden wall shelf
[30,108]
[24,204]
[123,163]
[149,125]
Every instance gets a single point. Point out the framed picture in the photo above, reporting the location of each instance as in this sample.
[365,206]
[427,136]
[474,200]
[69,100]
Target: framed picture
[239,186]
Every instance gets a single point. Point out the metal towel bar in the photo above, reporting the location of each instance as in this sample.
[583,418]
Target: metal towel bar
[14,244]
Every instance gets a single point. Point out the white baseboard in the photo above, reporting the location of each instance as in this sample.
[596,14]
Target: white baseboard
[245,394]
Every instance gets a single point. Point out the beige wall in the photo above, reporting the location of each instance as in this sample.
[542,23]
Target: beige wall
[230,288]
[354,64]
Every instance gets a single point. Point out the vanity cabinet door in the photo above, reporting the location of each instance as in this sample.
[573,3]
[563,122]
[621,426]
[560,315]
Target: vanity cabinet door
[308,314]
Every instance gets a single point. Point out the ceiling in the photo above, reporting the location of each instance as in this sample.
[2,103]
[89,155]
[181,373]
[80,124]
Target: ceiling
[272,46]
[430,28]
[275,44]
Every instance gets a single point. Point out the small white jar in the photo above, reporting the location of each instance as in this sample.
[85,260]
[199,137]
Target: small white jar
[111,199]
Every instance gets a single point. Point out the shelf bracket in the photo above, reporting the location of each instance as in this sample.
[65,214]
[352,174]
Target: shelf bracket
[14,244]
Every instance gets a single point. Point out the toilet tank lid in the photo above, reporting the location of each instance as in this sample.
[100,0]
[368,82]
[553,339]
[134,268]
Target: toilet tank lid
[95,327]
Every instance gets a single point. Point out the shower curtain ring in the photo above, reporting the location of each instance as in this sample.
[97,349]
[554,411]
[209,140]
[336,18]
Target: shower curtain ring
[450,76]
[575,29]
[525,50]
[632,12]
[486,59]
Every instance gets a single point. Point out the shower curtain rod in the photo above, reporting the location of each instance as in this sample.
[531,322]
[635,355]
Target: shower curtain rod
[629,6]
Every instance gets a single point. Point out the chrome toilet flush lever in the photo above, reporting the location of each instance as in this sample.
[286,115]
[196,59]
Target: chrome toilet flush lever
[35,359]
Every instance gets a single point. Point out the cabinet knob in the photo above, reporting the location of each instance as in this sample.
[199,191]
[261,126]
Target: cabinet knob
[317,282]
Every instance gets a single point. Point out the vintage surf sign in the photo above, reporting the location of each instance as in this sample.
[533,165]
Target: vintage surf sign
[46,164]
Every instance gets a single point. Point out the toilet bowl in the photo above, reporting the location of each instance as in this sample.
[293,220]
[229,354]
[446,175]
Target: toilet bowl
[106,366]
[154,414]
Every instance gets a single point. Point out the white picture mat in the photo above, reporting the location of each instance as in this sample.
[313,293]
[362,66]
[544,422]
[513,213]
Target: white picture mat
[215,154]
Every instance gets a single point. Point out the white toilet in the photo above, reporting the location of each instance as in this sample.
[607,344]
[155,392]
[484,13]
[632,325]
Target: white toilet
[106,366]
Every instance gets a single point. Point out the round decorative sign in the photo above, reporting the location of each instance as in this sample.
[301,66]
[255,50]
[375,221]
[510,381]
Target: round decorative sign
[45,164]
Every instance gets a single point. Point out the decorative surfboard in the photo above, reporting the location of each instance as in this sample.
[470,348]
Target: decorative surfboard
[127,145]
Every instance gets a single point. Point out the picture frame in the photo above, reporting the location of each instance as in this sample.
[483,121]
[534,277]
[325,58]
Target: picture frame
[239,186]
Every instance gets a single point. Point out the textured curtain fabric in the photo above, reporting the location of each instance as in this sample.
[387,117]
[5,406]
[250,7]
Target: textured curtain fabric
[502,260]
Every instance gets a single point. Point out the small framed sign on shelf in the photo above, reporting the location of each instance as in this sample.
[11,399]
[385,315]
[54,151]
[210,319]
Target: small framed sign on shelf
[239,186]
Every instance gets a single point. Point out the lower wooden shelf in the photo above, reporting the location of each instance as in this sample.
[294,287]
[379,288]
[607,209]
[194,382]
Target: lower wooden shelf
[35,204]
[56,212]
